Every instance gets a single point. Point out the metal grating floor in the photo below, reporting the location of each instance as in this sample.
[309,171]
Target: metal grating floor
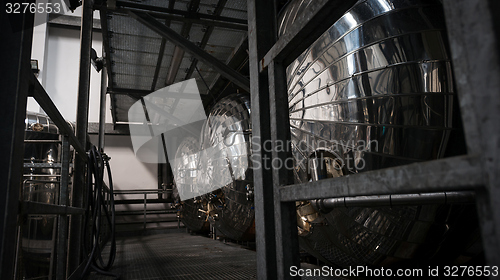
[180,256]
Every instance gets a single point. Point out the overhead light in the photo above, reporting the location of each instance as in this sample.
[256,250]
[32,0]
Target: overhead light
[34,66]
[97,62]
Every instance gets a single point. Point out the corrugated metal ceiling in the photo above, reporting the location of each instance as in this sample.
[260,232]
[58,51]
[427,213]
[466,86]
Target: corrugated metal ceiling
[134,49]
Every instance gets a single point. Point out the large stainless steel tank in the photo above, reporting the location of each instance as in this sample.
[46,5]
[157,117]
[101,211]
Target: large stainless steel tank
[186,173]
[228,132]
[220,158]
[374,91]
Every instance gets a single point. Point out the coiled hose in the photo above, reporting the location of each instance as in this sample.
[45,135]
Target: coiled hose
[96,204]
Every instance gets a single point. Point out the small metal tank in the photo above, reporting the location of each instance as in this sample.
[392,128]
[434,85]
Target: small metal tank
[40,184]
[374,91]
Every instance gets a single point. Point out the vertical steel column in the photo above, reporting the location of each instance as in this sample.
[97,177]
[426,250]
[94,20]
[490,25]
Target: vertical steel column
[102,108]
[62,235]
[260,40]
[474,34]
[81,133]
[287,243]
[15,51]
[62,246]
[276,241]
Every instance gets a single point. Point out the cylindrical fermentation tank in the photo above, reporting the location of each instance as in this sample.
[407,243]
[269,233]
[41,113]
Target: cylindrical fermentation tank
[226,134]
[185,169]
[374,91]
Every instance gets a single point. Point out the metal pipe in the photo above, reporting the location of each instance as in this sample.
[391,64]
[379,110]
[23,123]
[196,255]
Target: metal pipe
[102,108]
[81,132]
[177,57]
[145,203]
[463,197]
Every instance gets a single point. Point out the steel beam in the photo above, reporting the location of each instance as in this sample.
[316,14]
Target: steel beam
[260,40]
[62,221]
[161,51]
[103,14]
[390,200]
[450,174]
[194,50]
[30,207]
[186,14]
[287,243]
[181,19]
[71,22]
[237,61]
[308,26]
[76,231]
[206,36]
[50,108]
[15,51]
[474,35]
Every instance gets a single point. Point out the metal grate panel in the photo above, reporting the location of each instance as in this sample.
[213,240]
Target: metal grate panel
[180,256]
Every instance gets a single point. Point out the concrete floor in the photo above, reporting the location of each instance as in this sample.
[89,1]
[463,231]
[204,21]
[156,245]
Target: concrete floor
[179,256]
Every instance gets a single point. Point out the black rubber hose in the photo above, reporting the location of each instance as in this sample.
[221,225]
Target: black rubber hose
[96,205]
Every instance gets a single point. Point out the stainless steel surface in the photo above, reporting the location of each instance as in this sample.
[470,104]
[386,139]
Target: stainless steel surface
[37,242]
[227,130]
[222,157]
[374,91]
[290,13]
[186,173]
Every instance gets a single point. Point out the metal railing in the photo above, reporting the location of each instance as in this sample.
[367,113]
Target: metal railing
[145,202]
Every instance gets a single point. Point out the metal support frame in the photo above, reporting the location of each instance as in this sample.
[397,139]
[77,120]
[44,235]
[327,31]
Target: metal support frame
[70,22]
[76,229]
[190,47]
[184,16]
[62,227]
[105,44]
[178,53]
[474,38]
[17,30]
[474,34]
[206,37]
[261,37]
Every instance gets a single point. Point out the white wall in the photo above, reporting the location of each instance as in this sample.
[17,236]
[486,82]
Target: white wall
[62,72]
[128,173]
